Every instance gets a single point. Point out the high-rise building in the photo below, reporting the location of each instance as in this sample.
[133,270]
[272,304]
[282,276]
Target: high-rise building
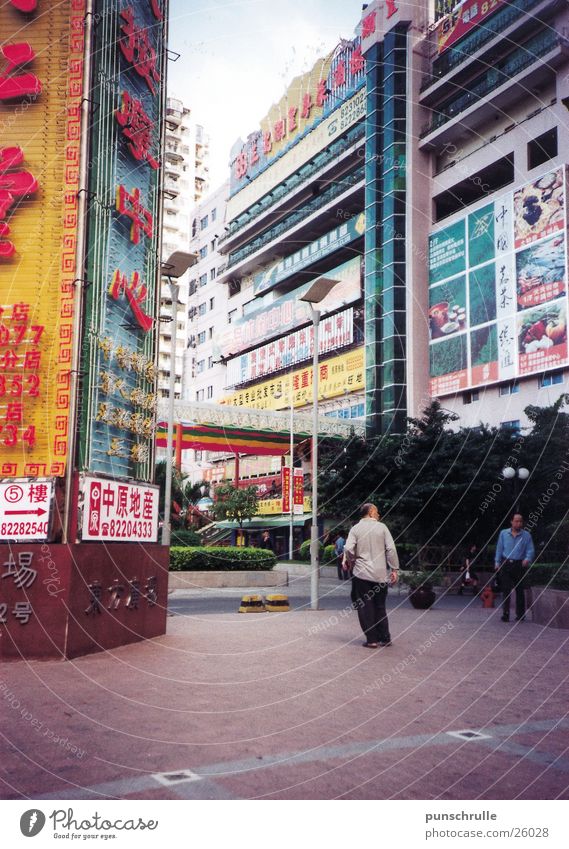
[186,178]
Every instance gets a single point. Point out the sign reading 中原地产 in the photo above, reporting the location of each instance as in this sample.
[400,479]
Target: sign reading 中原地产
[498,289]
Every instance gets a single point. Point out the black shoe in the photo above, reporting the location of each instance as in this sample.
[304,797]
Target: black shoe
[505,618]
[384,643]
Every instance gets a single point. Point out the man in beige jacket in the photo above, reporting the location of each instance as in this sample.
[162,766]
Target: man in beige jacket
[370,551]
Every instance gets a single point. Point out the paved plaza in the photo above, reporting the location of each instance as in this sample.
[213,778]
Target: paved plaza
[290,706]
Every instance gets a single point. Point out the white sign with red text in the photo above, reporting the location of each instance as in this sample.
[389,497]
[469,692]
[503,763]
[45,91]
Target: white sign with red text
[118,511]
[25,509]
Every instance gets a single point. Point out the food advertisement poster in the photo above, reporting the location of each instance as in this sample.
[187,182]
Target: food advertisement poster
[498,289]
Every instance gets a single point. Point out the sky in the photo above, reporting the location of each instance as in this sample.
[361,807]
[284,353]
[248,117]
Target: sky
[237,58]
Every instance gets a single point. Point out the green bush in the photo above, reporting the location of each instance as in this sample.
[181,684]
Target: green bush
[305,550]
[553,575]
[220,558]
[329,554]
[186,537]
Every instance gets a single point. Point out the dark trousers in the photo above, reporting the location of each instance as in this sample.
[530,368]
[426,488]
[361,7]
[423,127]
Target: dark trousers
[511,578]
[369,599]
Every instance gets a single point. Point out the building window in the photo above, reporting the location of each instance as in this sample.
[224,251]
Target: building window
[234,287]
[199,395]
[204,223]
[193,287]
[210,392]
[475,187]
[212,274]
[200,366]
[194,226]
[231,316]
[509,388]
[210,362]
[202,308]
[203,252]
[542,149]
[203,279]
[471,397]
[201,337]
[213,215]
[213,244]
[551,379]
[513,424]
[211,303]
[210,332]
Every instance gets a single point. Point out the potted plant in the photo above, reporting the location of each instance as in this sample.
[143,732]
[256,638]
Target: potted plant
[420,583]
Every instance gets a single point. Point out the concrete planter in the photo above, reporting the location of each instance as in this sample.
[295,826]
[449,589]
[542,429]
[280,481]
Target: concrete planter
[218,580]
[549,607]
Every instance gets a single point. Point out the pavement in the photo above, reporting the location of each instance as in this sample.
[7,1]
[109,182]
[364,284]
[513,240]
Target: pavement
[290,706]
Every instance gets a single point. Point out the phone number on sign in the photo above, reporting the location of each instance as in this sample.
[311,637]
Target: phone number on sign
[122,528]
[23,529]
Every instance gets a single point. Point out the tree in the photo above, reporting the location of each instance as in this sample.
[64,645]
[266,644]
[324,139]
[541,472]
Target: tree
[235,503]
[194,492]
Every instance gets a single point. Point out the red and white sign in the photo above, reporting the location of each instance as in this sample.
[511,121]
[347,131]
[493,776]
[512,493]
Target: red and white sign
[285,472]
[25,509]
[298,492]
[119,511]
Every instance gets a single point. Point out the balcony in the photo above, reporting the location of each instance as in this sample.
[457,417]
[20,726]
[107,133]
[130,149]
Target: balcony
[504,22]
[499,86]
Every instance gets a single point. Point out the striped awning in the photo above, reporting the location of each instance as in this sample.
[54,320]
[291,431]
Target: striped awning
[234,440]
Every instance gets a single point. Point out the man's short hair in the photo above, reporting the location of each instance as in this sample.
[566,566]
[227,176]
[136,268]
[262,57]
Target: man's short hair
[365,508]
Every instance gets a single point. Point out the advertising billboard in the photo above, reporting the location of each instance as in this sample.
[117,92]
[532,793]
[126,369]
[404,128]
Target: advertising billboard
[288,311]
[40,115]
[116,511]
[498,289]
[337,376]
[123,236]
[463,18]
[336,331]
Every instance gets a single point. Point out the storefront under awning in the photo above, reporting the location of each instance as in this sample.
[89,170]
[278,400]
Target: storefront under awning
[260,523]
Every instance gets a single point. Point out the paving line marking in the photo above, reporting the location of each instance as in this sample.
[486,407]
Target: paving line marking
[122,787]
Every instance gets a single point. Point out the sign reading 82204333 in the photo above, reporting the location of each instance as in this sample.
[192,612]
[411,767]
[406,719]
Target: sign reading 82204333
[119,511]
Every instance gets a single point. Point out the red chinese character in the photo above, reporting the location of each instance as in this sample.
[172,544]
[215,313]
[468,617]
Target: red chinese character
[135,293]
[12,85]
[241,165]
[340,73]
[156,10]
[13,184]
[280,129]
[137,128]
[391,8]
[122,505]
[254,152]
[147,505]
[38,493]
[9,360]
[136,48]
[32,360]
[135,503]
[20,312]
[129,205]
[321,93]
[368,25]
[292,124]
[15,412]
[306,105]
[267,142]
[357,61]
[324,372]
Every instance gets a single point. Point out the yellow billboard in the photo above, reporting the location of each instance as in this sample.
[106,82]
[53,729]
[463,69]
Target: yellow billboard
[344,373]
[40,116]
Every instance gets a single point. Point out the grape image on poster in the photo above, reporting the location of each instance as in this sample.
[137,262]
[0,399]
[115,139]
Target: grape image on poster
[539,208]
[542,337]
[482,294]
[540,272]
[447,308]
[481,236]
[484,354]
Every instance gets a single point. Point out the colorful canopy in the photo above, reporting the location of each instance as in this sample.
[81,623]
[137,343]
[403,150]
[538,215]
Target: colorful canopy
[234,440]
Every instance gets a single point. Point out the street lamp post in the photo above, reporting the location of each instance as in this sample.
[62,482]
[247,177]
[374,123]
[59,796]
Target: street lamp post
[516,475]
[316,293]
[176,265]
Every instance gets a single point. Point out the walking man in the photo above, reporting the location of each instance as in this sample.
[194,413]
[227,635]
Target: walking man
[370,551]
[514,553]
[339,552]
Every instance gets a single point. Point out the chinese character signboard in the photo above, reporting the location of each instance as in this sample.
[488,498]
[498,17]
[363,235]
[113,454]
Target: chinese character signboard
[119,512]
[285,478]
[298,491]
[338,375]
[118,399]
[41,87]
[462,20]
[498,289]
[25,508]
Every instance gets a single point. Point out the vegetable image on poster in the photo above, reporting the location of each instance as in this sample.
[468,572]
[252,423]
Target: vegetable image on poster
[542,337]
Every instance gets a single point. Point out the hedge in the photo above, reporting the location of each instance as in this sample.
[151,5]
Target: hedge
[305,550]
[553,575]
[186,537]
[220,558]
[329,555]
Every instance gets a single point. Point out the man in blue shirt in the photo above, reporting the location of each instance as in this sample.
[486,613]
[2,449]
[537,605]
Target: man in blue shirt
[514,553]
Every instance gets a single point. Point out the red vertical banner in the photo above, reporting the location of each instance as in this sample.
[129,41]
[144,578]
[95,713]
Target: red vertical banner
[285,479]
[298,491]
